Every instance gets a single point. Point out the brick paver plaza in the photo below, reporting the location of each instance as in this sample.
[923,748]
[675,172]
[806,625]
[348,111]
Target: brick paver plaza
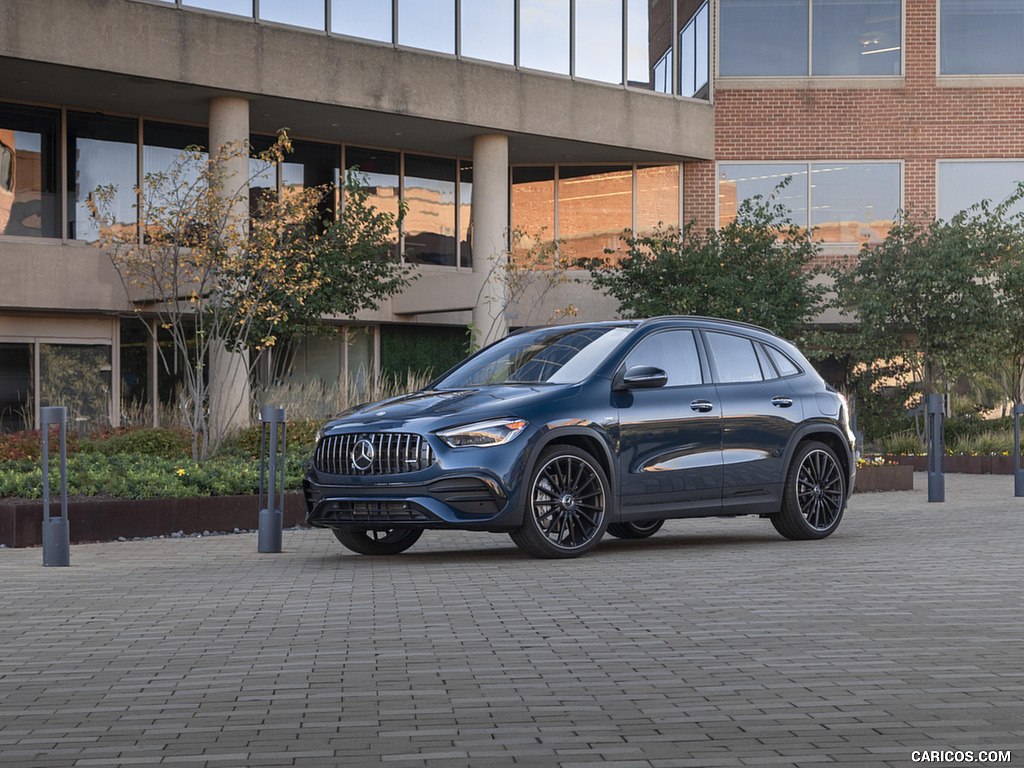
[716,643]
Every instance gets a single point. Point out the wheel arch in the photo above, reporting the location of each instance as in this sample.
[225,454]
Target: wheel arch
[833,438]
[586,440]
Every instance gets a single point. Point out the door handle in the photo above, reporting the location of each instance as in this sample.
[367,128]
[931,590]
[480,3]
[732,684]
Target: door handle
[782,401]
[701,406]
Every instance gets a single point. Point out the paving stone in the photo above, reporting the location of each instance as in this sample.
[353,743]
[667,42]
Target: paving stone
[714,643]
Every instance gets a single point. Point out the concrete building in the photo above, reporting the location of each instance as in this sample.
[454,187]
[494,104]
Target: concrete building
[573,119]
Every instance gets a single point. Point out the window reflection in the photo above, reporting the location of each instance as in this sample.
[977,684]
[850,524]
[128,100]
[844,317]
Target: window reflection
[237,7]
[299,13]
[763,37]
[29,205]
[595,204]
[16,409]
[533,209]
[544,35]
[638,31]
[466,214]
[378,170]
[76,376]
[857,38]
[488,30]
[981,38]
[368,19]
[428,189]
[101,151]
[849,202]
[599,40]
[693,53]
[657,198]
[966,183]
[427,24]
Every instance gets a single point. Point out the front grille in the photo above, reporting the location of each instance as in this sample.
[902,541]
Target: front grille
[373,453]
[371,511]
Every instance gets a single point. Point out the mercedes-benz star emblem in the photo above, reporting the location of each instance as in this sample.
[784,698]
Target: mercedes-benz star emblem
[362,456]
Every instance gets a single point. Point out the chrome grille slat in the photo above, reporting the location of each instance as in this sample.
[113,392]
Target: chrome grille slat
[393,453]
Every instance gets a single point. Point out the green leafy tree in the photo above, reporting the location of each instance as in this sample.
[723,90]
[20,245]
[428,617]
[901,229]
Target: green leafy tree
[924,299]
[757,268]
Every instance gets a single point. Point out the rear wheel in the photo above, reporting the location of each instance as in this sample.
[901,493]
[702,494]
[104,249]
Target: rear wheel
[640,529]
[566,505]
[381,541]
[815,494]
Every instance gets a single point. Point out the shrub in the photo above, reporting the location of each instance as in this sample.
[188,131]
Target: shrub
[29,444]
[143,441]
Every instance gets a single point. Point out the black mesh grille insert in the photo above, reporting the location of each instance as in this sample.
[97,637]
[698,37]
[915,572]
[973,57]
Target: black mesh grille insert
[373,453]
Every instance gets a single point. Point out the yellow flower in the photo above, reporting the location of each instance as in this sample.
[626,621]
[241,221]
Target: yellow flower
[181,472]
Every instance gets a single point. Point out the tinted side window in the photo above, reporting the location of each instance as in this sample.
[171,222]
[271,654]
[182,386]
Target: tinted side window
[673,351]
[735,358]
[767,369]
[786,366]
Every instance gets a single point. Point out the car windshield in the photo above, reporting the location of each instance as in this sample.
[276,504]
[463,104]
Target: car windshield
[545,356]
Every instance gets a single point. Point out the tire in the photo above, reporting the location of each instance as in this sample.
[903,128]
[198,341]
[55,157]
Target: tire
[640,529]
[387,541]
[566,507]
[815,494]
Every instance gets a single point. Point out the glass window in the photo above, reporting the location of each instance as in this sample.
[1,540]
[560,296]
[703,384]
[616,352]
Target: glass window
[675,352]
[379,171]
[368,19]
[313,165]
[101,151]
[427,24]
[963,184]
[76,376]
[981,38]
[238,7]
[856,37]
[662,73]
[262,174]
[165,142]
[544,35]
[849,202]
[466,213]
[136,364]
[599,40]
[428,188]
[657,198]
[300,13]
[533,208]
[854,202]
[734,357]
[638,47]
[361,355]
[693,55]
[767,369]
[740,182]
[29,206]
[16,405]
[763,37]
[785,366]
[595,204]
[488,29]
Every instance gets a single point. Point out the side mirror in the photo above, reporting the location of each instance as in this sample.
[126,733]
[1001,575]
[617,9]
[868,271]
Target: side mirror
[642,377]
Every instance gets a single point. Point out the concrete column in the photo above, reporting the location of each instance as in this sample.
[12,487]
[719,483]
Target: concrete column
[229,371]
[490,236]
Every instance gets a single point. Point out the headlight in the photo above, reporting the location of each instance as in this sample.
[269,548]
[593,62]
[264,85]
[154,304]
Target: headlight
[483,433]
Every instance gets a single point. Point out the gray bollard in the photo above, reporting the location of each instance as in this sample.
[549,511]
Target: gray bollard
[56,539]
[936,414]
[271,517]
[1018,470]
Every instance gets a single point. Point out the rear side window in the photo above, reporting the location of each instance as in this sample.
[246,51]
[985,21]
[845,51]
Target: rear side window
[785,366]
[675,352]
[735,358]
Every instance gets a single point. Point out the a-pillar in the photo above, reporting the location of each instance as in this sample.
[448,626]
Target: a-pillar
[490,236]
[229,370]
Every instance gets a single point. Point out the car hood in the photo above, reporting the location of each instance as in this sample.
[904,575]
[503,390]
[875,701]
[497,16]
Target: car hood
[446,407]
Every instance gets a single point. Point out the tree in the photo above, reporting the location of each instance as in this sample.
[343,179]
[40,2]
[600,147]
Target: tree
[216,280]
[756,269]
[923,298]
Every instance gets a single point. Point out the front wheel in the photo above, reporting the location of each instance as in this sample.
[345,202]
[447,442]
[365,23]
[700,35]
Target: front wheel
[567,505]
[640,529]
[387,541]
[815,494]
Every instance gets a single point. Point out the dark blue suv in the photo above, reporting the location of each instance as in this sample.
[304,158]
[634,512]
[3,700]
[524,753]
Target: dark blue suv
[555,435]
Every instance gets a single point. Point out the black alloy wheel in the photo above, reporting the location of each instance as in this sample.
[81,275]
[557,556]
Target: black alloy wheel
[566,506]
[384,541]
[815,494]
[639,529]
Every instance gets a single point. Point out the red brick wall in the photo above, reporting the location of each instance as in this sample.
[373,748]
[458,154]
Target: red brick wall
[918,124]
